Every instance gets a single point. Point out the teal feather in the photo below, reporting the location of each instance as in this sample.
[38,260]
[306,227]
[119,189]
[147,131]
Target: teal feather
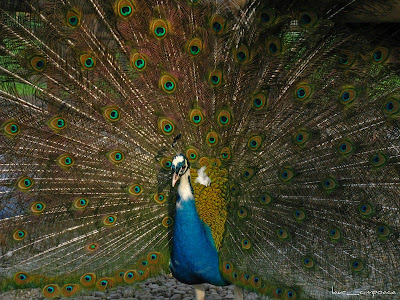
[290,109]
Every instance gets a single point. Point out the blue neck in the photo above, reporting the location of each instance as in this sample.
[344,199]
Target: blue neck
[194,258]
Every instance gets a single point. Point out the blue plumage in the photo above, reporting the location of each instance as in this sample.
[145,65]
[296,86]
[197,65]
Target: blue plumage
[194,257]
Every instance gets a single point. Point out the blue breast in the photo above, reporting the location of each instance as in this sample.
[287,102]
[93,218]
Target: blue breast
[194,258]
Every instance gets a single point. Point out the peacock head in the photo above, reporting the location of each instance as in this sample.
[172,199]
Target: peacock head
[180,165]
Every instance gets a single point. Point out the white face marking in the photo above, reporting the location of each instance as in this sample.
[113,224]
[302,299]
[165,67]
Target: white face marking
[184,188]
[178,159]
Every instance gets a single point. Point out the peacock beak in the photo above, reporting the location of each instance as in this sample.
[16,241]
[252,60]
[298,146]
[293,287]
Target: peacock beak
[175,178]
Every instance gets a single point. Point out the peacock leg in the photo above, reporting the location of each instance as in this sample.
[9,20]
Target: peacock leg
[238,293]
[200,292]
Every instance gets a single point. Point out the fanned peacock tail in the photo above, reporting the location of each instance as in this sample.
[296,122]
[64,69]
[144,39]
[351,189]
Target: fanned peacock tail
[293,112]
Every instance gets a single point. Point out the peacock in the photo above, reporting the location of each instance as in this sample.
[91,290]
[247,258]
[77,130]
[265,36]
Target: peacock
[247,143]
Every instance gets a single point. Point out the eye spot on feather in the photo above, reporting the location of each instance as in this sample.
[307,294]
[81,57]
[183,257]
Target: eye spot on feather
[154,258]
[130,276]
[144,263]
[242,212]
[346,147]
[57,123]
[69,290]
[37,207]
[267,17]
[348,95]
[242,55]
[246,244]
[277,293]
[248,173]
[329,184]
[391,106]
[225,154]
[87,60]
[307,19]
[291,294]
[255,281]
[80,203]
[167,222]
[254,142]
[109,220]
[166,163]
[135,189]
[302,137]
[259,101]
[192,155]
[115,156]
[244,278]
[263,288]
[217,24]
[11,128]
[266,199]
[274,46]
[111,114]
[160,198]
[38,63]
[234,189]
[383,231]
[92,247]
[299,215]
[335,234]
[215,78]
[88,280]
[227,268]
[51,290]
[282,233]
[125,8]
[73,19]
[346,59]
[104,283]
[380,55]
[307,262]
[303,92]
[224,118]
[138,61]
[196,117]
[25,183]
[357,265]
[159,29]
[365,210]
[166,126]
[21,278]
[378,160]
[212,138]
[65,161]
[286,175]
[19,235]
[168,84]
[194,47]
